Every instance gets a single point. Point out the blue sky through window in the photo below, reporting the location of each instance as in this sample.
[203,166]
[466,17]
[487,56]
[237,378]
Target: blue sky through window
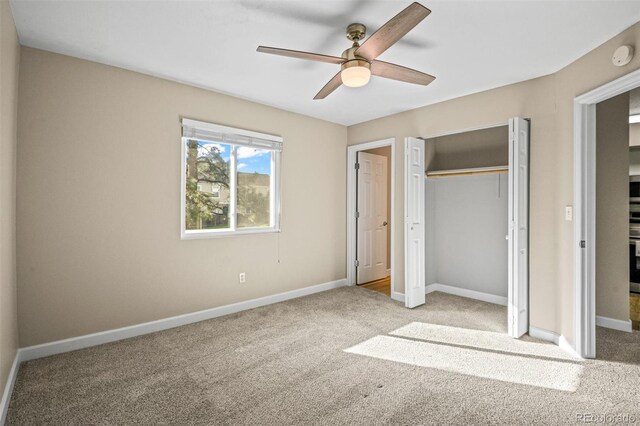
[251,160]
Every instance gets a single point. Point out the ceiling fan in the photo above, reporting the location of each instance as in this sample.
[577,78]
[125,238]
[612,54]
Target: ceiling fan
[359,62]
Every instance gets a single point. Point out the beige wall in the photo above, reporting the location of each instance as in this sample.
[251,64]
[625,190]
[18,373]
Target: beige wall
[548,102]
[634,161]
[478,148]
[9,60]
[612,208]
[385,151]
[589,72]
[97,249]
[634,134]
[98,211]
[532,99]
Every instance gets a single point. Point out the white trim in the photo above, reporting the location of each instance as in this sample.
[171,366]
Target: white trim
[80,342]
[546,335]
[565,344]
[584,201]
[471,170]
[463,292]
[202,234]
[555,338]
[352,152]
[211,127]
[614,324]
[398,297]
[8,388]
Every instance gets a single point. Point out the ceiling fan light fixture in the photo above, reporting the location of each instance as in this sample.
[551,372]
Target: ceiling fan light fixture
[355,73]
[357,60]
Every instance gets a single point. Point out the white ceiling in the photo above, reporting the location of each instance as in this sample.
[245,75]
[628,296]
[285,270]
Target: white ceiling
[469,46]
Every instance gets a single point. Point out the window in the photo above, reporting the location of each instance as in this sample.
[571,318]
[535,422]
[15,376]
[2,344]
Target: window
[230,181]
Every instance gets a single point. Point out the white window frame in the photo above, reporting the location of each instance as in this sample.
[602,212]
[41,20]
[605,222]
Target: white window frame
[274,189]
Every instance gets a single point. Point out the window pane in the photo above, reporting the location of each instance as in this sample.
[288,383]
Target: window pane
[254,187]
[207,192]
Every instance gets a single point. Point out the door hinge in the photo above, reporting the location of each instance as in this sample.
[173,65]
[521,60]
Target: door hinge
[357,215]
[357,263]
[357,166]
[583,244]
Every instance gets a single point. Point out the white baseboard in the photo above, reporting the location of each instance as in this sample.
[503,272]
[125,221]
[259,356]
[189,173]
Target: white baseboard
[398,297]
[555,338]
[80,342]
[546,335]
[614,324]
[565,344]
[471,294]
[8,389]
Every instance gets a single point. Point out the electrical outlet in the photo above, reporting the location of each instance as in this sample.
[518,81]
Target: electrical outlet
[568,213]
[242,277]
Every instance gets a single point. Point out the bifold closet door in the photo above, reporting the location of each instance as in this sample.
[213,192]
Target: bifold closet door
[414,235]
[518,232]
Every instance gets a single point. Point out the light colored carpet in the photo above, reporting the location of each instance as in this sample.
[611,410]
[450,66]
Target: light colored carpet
[346,356]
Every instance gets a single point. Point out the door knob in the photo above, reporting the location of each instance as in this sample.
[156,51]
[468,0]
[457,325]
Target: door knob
[384,223]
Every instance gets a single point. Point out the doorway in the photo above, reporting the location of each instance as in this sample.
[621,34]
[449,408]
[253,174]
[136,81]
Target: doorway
[373,213]
[587,112]
[370,216]
[476,215]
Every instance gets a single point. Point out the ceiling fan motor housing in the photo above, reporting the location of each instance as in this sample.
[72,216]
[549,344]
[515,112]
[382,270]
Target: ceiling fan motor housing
[352,60]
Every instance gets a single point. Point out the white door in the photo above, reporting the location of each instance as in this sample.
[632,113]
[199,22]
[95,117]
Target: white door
[518,293]
[414,199]
[372,218]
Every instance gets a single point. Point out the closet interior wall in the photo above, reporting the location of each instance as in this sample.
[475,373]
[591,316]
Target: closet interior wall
[466,213]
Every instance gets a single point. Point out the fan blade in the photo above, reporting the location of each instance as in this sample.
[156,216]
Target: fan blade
[301,55]
[392,31]
[400,73]
[328,88]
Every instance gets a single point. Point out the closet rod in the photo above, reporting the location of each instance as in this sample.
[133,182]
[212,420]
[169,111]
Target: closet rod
[467,172]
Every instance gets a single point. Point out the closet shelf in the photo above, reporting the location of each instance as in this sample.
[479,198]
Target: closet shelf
[466,172]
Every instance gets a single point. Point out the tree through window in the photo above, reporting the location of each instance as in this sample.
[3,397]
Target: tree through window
[230,180]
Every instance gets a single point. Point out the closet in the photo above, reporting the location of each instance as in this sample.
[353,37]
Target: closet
[466,207]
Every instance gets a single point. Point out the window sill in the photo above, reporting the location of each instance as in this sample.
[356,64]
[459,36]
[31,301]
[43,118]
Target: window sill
[204,234]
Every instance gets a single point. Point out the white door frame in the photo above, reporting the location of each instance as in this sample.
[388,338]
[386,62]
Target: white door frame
[374,169]
[584,201]
[352,155]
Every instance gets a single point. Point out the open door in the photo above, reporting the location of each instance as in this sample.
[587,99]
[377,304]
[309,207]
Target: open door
[414,199]
[372,218]
[518,233]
